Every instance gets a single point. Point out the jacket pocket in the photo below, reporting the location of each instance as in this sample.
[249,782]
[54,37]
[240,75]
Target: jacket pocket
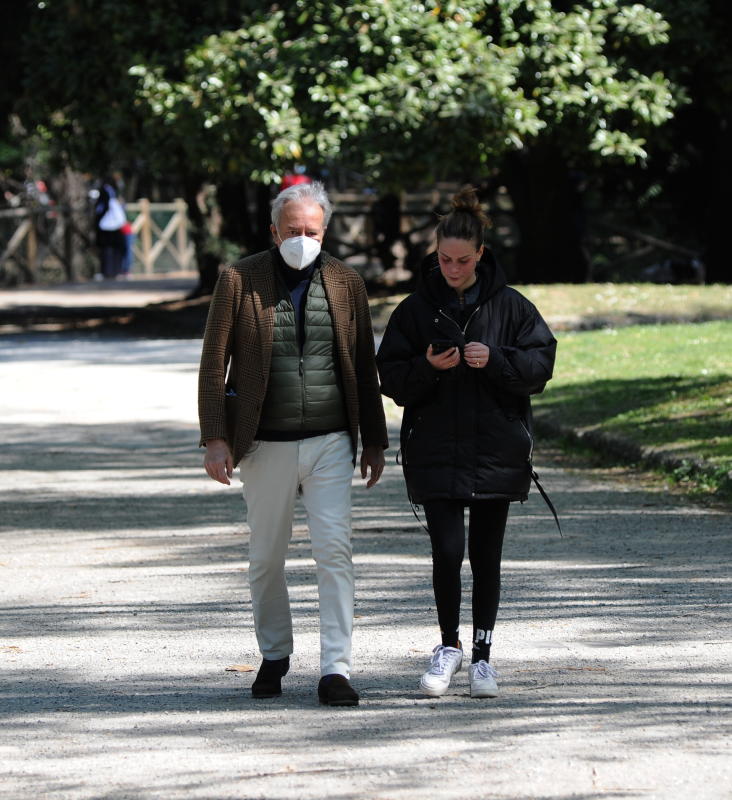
[430,441]
[508,443]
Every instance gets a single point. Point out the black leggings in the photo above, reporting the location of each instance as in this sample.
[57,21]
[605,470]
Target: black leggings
[445,521]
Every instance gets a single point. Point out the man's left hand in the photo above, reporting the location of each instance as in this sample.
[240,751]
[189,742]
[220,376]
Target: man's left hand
[373,458]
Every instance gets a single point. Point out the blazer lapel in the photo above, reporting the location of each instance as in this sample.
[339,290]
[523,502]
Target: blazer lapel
[264,298]
[341,309]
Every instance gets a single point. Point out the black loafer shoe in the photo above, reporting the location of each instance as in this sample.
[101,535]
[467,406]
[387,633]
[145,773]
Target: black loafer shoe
[335,690]
[268,682]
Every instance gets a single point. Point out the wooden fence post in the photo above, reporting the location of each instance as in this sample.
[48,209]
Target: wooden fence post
[182,232]
[31,243]
[146,236]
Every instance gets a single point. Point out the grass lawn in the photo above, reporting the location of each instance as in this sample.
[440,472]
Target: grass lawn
[598,305]
[665,387]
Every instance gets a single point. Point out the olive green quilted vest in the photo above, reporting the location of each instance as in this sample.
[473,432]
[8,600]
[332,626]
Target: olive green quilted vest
[304,392]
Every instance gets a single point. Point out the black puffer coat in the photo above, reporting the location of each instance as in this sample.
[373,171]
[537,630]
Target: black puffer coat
[466,433]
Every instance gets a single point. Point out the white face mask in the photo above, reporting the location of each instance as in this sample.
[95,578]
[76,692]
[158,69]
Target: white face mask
[299,251]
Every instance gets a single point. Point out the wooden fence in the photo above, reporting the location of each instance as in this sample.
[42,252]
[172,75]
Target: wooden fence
[23,243]
[153,240]
[371,233]
[45,234]
[382,237]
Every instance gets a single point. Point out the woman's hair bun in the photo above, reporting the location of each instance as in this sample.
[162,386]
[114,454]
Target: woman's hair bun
[467,220]
[467,200]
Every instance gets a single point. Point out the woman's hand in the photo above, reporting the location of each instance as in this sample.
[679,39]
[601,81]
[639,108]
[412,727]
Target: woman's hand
[476,354]
[447,360]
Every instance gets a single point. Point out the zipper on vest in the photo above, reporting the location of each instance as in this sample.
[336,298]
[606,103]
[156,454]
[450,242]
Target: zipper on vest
[303,400]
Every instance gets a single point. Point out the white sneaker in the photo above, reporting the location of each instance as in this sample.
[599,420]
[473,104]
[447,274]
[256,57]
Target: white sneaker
[446,661]
[482,680]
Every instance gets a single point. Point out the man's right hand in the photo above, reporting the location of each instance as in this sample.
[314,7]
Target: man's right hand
[218,461]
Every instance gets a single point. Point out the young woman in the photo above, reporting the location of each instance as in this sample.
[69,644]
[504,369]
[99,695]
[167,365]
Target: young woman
[462,354]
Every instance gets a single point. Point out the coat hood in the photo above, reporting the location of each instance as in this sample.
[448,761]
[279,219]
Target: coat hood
[433,287]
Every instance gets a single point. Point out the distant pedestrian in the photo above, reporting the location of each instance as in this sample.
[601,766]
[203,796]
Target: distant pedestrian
[129,256]
[287,381]
[295,178]
[462,354]
[109,217]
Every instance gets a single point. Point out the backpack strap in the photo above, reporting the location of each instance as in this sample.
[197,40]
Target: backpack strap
[415,506]
[547,500]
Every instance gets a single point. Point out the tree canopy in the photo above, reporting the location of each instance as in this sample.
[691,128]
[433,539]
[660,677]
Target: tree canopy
[402,92]
[396,89]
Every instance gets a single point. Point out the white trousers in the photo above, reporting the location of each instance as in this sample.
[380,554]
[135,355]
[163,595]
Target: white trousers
[272,473]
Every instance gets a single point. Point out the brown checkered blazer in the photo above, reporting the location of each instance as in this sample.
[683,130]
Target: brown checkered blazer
[237,350]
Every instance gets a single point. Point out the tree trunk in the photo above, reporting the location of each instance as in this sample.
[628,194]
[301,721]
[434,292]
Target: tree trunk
[236,226]
[72,238]
[262,238]
[713,194]
[549,213]
[221,226]
[200,218]
[251,232]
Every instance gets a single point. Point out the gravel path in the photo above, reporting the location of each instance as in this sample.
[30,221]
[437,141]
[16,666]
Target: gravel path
[135,292]
[124,601]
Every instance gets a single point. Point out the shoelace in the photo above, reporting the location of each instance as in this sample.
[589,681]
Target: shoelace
[439,661]
[483,669]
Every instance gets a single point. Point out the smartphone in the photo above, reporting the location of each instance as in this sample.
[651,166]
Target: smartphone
[441,345]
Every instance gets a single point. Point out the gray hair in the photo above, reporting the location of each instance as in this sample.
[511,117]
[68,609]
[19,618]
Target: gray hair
[309,192]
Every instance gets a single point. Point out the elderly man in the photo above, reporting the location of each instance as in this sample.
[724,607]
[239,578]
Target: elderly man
[287,381]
